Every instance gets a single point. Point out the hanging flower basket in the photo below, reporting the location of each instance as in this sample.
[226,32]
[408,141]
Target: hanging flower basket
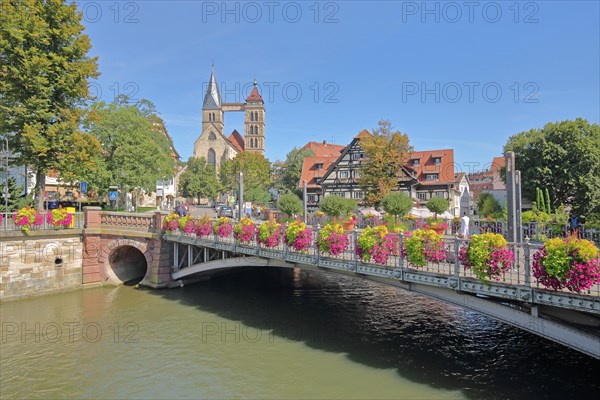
[27,217]
[223,227]
[569,263]
[375,243]
[298,236]
[171,223]
[204,227]
[424,245]
[332,239]
[187,225]
[59,218]
[269,233]
[488,255]
[245,230]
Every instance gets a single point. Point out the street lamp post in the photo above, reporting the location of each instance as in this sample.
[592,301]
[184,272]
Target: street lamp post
[6,149]
[241,195]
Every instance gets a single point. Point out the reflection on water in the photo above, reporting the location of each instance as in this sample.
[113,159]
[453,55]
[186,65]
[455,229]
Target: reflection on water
[275,333]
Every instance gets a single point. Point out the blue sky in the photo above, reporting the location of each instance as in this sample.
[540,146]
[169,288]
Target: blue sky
[461,75]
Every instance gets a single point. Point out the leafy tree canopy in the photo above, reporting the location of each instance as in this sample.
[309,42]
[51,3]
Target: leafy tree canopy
[136,152]
[564,157]
[44,72]
[256,170]
[437,205]
[397,203]
[335,206]
[386,151]
[199,180]
[289,204]
[291,170]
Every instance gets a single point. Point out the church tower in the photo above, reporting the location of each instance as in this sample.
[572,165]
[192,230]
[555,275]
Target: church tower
[254,135]
[212,113]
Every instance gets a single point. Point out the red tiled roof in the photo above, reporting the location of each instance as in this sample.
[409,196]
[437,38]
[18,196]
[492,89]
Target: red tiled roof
[236,140]
[445,169]
[322,149]
[364,133]
[497,164]
[310,173]
[254,95]
[458,177]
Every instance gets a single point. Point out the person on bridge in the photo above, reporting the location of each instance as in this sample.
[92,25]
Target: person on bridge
[464,226]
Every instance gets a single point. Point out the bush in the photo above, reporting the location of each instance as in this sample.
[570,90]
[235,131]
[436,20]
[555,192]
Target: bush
[397,203]
[289,204]
[335,206]
[437,205]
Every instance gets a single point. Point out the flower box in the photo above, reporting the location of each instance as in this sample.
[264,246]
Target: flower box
[488,255]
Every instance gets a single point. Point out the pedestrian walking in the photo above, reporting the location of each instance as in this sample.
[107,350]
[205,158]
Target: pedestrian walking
[464,226]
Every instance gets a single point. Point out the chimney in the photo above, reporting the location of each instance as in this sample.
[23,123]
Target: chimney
[324,141]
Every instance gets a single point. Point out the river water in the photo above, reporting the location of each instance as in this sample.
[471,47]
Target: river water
[280,334]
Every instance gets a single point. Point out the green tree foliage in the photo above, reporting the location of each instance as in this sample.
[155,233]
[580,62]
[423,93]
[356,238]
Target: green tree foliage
[136,153]
[563,157]
[488,206]
[541,203]
[15,194]
[256,170]
[437,205]
[335,206]
[397,203]
[548,205]
[44,72]
[291,170]
[386,151]
[289,204]
[199,180]
[257,195]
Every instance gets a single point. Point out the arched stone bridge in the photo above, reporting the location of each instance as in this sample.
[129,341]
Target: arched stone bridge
[564,317]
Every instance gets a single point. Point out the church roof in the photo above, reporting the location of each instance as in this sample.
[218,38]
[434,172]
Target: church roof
[254,96]
[212,99]
[236,140]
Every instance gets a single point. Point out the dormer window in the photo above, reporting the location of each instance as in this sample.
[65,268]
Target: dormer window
[431,177]
[319,167]
[416,162]
[437,160]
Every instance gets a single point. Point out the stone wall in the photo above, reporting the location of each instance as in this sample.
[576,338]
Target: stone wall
[38,264]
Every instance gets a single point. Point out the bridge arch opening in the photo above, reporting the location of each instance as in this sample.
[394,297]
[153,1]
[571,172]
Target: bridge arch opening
[128,265]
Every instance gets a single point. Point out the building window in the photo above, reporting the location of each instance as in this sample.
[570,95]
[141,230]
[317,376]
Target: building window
[357,156]
[212,158]
[422,196]
[312,198]
[358,194]
[441,194]
[416,163]
[212,136]
[318,167]
[437,160]
[343,174]
[431,177]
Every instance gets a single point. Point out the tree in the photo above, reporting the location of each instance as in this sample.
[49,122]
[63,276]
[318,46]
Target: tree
[44,72]
[15,194]
[548,206]
[256,170]
[289,204]
[335,206]
[541,204]
[291,170]
[199,180]
[487,205]
[437,205]
[563,157]
[397,203]
[135,153]
[386,151]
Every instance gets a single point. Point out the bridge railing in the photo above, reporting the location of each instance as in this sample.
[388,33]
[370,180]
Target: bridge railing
[519,274]
[128,220]
[8,223]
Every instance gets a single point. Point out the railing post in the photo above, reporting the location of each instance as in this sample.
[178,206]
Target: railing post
[92,217]
[527,262]
[355,236]
[176,256]
[316,244]
[400,247]
[158,220]
[456,251]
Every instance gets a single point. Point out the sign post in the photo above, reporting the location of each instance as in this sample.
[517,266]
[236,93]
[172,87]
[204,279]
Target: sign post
[82,191]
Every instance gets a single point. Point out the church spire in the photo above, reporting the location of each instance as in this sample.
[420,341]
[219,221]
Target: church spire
[212,99]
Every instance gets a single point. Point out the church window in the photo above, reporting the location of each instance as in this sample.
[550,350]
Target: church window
[212,158]
[212,136]
[251,116]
